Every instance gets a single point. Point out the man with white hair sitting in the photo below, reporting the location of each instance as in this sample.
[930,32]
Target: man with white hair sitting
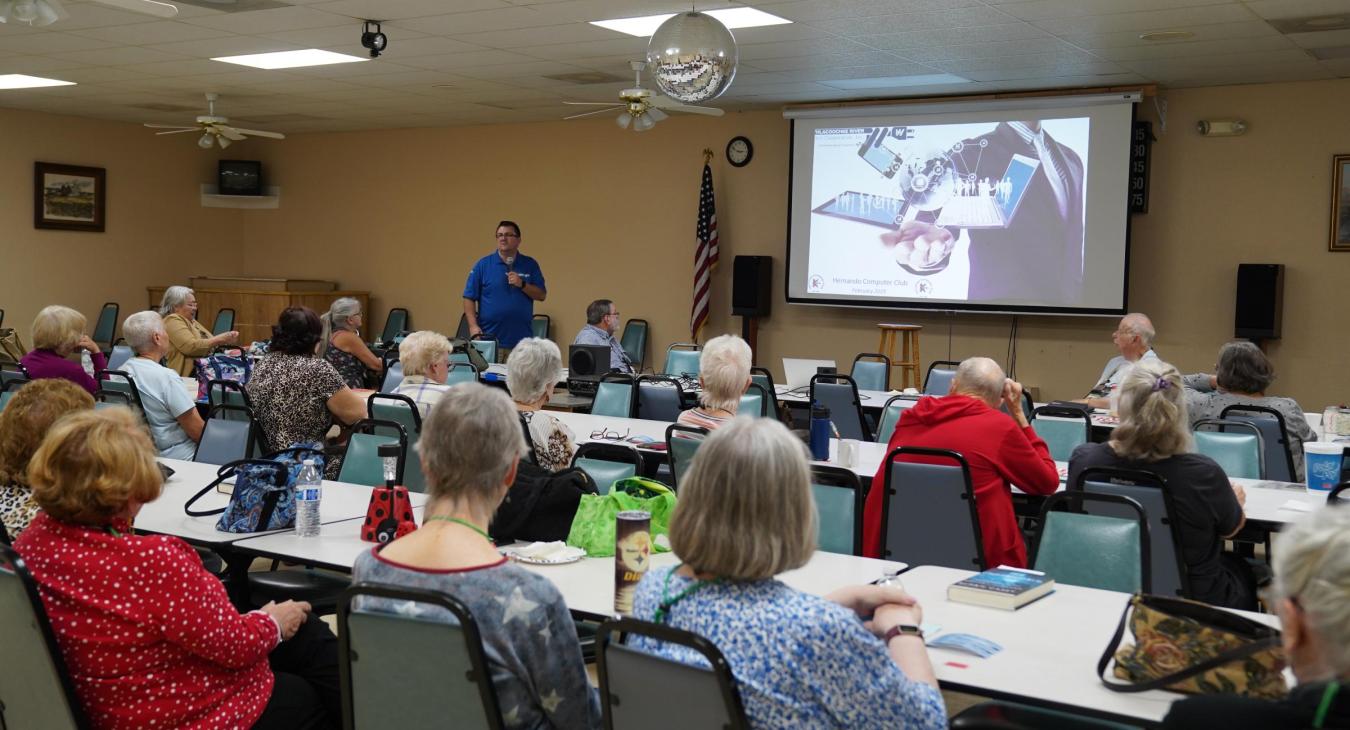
[1133,338]
[169,409]
[723,377]
[1000,449]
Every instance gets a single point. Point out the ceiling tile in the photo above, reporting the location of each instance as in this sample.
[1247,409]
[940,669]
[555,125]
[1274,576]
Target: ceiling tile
[1215,32]
[95,16]
[234,45]
[1273,9]
[400,9]
[52,43]
[523,38]
[628,46]
[919,39]
[120,56]
[1321,39]
[1175,18]
[1044,10]
[828,60]
[482,21]
[335,35]
[138,34]
[1194,48]
[271,21]
[809,10]
[962,18]
[462,60]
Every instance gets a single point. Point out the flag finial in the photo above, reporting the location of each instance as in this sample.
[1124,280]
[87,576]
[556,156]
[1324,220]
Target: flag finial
[707,155]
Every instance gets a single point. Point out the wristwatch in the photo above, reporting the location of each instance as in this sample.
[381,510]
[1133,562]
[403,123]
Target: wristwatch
[902,630]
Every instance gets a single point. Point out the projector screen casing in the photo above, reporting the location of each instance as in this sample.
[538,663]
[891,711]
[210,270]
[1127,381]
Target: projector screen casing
[1105,220]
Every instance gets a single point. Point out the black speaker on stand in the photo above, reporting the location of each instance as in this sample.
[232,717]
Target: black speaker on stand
[1260,302]
[751,286]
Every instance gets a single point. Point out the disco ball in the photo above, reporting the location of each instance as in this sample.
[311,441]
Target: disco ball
[692,57]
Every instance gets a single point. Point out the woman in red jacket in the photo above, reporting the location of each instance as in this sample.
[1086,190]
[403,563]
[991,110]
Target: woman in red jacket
[148,634]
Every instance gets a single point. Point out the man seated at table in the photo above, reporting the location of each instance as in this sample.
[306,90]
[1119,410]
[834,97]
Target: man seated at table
[1134,339]
[602,321]
[1000,450]
[169,409]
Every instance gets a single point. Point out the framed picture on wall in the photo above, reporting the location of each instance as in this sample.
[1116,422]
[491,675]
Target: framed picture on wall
[68,197]
[1340,203]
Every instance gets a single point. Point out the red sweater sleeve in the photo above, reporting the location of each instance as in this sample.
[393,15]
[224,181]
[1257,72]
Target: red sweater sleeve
[1025,461]
[196,614]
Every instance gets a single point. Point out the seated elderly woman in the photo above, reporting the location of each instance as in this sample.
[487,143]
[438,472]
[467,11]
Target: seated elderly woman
[297,396]
[854,658]
[1153,436]
[426,365]
[188,339]
[23,424]
[724,376]
[471,444]
[342,346]
[1311,594]
[1240,379]
[170,411]
[58,333]
[148,635]
[532,372]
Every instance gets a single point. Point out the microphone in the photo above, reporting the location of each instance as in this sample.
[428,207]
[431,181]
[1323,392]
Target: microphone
[510,263]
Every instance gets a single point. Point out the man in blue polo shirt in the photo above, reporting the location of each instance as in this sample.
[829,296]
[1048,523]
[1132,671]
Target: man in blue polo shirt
[505,285]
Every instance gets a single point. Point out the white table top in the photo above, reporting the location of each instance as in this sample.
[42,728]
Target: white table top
[584,424]
[341,501]
[337,545]
[1050,646]
[870,398]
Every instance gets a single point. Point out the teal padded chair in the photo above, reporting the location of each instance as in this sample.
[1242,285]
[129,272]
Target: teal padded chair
[634,342]
[1279,460]
[229,434]
[401,410]
[35,686]
[230,393]
[763,378]
[119,356]
[615,396]
[1000,715]
[890,416]
[540,324]
[461,372]
[105,330]
[608,462]
[872,371]
[1119,546]
[395,323]
[8,390]
[1062,429]
[643,691]
[8,376]
[839,393]
[682,443]
[393,376]
[928,514]
[361,462]
[120,381]
[386,657]
[487,346]
[839,505]
[5,397]
[1167,571]
[659,398]
[754,402]
[224,321]
[682,360]
[938,380]
[1236,446]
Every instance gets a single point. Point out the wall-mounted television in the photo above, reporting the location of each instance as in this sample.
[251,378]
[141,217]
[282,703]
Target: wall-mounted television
[240,177]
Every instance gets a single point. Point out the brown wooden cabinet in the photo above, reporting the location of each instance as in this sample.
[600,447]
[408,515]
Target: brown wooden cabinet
[257,302]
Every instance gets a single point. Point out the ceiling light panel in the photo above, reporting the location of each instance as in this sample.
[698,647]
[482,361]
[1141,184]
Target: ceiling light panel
[291,59]
[732,18]
[21,81]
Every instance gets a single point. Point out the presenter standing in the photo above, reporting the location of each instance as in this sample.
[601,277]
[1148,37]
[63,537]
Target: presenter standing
[504,285]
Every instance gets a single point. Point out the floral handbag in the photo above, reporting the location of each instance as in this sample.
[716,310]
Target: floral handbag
[263,497]
[1192,647]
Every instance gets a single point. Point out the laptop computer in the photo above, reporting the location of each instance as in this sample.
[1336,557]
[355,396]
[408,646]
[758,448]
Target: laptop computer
[797,372]
[992,208]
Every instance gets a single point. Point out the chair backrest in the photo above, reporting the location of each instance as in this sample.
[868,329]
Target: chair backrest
[487,345]
[229,392]
[119,356]
[386,658]
[105,330]
[614,396]
[1119,547]
[12,376]
[642,691]
[928,514]
[397,408]
[1236,446]
[394,323]
[938,380]
[839,506]
[393,375]
[462,332]
[5,397]
[1274,438]
[224,321]
[120,381]
[840,394]
[228,435]
[659,398]
[634,342]
[1167,570]
[890,416]
[35,687]
[682,360]
[459,372]
[361,462]
[763,378]
[1062,429]
[681,444]
[608,463]
[872,371]
[754,402]
[540,324]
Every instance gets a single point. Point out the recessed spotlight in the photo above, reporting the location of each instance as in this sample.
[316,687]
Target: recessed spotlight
[730,17]
[1166,35]
[290,59]
[20,81]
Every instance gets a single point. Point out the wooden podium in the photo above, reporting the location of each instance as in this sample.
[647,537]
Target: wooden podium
[257,302]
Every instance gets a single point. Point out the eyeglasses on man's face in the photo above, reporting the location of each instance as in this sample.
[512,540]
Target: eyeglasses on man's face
[508,235]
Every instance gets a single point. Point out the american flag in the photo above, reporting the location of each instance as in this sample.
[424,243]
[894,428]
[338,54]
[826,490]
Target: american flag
[705,255]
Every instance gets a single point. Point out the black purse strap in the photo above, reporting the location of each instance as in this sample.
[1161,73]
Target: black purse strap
[1234,654]
[225,472]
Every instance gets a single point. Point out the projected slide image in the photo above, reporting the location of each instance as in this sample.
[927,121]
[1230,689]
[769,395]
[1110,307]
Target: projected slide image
[987,211]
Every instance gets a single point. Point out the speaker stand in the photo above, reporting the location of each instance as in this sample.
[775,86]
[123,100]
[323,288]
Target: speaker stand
[750,333]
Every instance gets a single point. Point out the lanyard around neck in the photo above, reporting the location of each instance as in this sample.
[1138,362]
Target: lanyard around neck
[458,521]
[668,601]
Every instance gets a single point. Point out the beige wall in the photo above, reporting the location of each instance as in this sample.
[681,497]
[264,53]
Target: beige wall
[608,213]
[156,230]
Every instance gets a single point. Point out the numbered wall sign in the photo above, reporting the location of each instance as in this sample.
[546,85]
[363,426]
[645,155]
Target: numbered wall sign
[1141,140]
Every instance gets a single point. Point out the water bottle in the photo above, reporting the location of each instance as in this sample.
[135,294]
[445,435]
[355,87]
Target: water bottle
[308,493]
[87,363]
[820,432]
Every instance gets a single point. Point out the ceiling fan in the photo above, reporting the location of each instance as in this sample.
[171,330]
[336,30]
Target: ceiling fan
[46,12]
[642,109]
[215,129]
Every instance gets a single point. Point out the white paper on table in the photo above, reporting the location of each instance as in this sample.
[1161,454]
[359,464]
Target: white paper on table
[1294,505]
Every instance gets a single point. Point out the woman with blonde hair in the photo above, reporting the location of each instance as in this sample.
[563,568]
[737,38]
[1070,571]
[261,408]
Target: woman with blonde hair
[149,636]
[23,424]
[723,376]
[854,658]
[188,338]
[342,346]
[58,333]
[1154,436]
[426,366]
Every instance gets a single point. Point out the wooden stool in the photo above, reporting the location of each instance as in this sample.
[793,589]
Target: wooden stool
[909,347]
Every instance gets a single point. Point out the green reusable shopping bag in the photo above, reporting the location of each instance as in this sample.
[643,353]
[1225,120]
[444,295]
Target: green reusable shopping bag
[593,526]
